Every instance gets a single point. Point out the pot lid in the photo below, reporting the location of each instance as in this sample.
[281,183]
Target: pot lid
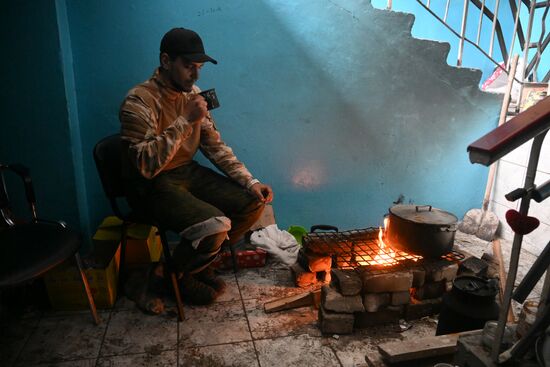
[424,214]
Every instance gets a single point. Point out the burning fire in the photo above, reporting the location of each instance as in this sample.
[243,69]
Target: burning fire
[386,256]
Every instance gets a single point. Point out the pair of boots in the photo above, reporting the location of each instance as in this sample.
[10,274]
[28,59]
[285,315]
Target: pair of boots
[148,288]
[201,288]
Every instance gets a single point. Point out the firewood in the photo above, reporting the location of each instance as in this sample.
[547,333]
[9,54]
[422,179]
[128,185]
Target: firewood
[295,301]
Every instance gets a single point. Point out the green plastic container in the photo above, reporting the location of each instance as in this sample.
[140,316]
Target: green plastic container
[298,232]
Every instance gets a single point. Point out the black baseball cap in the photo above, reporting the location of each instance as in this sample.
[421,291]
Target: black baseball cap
[185,43]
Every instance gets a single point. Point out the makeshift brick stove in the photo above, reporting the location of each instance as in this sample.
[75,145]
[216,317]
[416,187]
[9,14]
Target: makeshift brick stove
[372,283]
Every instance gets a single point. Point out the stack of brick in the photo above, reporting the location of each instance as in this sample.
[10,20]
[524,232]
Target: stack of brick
[340,301]
[311,269]
[426,295]
[377,297]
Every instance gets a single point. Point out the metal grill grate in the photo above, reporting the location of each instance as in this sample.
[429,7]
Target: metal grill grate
[359,248]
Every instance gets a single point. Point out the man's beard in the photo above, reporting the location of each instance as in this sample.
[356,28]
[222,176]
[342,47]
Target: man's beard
[181,88]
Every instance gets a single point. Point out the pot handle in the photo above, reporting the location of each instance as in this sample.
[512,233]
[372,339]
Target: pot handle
[324,227]
[423,206]
[451,228]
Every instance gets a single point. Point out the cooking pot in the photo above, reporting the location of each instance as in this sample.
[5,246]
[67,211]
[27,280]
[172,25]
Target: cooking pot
[421,230]
[468,306]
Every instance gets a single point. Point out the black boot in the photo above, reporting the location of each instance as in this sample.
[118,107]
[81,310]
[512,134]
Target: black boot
[195,292]
[208,276]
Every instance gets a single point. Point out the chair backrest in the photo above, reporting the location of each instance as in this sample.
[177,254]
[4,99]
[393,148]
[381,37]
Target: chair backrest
[108,160]
[6,214]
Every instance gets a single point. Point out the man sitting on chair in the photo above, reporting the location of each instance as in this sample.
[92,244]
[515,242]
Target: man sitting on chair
[164,122]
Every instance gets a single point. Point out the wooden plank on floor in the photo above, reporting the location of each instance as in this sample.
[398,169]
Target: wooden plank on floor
[409,350]
[285,303]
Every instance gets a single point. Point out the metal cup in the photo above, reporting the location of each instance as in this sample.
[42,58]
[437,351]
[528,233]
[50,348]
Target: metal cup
[211,98]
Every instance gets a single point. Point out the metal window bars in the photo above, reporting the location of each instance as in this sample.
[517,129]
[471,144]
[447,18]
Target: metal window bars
[489,10]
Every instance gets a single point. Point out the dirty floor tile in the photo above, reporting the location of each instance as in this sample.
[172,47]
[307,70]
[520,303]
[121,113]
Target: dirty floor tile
[162,359]
[131,331]
[352,349]
[58,339]
[266,283]
[124,303]
[295,321]
[13,336]
[78,363]
[236,355]
[231,292]
[218,323]
[301,350]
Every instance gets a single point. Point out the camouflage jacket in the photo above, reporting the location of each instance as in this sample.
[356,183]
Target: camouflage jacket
[160,139]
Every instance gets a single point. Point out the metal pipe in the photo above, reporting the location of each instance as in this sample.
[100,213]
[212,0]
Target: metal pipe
[462,32]
[542,48]
[480,22]
[543,300]
[446,10]
[516,246]
[539,49]
[495,18]
[533,276]
[508,92]
[541,4]
[513,36]
[526,49]
[542,192]
[501,120]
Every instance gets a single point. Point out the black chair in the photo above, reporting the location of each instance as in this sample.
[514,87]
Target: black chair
[108,160]
[28,249]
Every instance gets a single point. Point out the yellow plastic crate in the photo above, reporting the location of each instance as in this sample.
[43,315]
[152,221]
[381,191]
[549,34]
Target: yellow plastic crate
[143,244]
[64,284]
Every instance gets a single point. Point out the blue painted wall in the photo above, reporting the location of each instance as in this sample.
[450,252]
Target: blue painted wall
[35,128]
[333,103]
[338,109]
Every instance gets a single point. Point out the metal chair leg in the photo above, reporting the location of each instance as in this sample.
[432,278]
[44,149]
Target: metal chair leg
[91,302]
[122,267]
[234,259]
[170,267]
[179,303]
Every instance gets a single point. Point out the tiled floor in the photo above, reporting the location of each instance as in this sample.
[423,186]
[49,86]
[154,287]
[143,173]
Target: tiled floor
[234,331]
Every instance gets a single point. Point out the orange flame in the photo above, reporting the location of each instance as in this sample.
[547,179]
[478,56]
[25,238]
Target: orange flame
[386,255]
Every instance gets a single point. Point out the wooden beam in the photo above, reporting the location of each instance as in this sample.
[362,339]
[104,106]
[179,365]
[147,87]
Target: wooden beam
[409,350]
[507,137]
[497,253]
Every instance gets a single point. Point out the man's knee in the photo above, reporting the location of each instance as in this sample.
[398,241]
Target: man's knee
[209,233]
[212,244]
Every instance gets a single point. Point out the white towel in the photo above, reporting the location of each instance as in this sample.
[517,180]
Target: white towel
[279,243]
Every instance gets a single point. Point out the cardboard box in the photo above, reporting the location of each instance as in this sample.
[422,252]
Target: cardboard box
[143,244]
[245,259]
[65,287]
